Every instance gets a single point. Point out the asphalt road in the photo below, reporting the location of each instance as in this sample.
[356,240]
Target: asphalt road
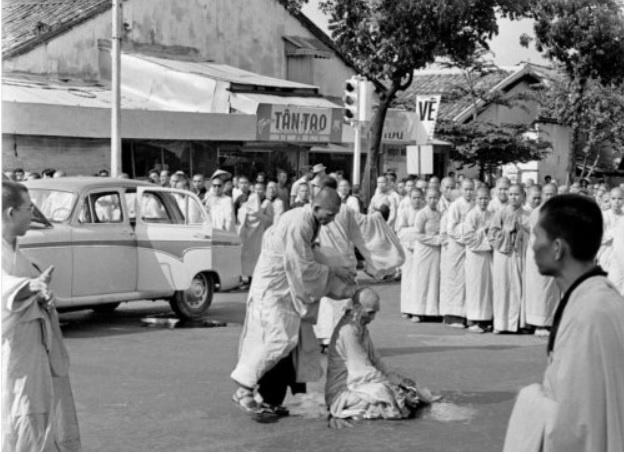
[152,388]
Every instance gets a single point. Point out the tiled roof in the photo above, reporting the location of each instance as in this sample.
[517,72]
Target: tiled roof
[443,83]
[29,23]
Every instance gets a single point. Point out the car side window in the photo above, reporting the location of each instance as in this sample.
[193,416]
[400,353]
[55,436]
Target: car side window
[153,210]
[192,211]
[101,208]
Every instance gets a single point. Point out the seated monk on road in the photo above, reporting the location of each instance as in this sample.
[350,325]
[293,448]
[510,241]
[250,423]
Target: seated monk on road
[358,385]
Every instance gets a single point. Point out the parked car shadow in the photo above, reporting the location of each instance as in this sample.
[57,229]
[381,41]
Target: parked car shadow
[131,319]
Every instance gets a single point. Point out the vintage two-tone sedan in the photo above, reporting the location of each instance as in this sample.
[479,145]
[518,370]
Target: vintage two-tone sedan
[116,240]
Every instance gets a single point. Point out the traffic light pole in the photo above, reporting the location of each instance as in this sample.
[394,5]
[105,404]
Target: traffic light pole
[356,168]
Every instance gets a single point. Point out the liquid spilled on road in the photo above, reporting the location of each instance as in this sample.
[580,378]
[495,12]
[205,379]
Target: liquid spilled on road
[448,412]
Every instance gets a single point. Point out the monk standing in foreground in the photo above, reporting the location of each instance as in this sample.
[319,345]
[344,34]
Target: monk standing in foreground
[278,349]
[38,412]
[580,405]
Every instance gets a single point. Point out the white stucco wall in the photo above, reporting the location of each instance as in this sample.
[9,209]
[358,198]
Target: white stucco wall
[241,33]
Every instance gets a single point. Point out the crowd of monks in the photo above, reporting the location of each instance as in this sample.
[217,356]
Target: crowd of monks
[470,257]
[469,254]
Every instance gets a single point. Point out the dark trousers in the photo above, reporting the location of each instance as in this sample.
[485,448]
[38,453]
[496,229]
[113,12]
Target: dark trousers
[273,385]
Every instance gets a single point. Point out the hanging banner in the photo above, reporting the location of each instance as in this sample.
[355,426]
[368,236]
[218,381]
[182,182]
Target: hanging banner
[427,108]
[289,123]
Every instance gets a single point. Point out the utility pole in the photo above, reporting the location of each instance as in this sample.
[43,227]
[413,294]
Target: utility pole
[116,87]
[357,101]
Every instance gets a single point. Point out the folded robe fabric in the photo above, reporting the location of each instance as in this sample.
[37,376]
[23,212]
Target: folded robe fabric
[383,244]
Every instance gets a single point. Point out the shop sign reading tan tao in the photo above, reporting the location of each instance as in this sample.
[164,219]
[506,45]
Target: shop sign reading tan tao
[288,123]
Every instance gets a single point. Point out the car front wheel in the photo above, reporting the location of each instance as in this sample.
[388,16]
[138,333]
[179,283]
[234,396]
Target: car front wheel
[195,301]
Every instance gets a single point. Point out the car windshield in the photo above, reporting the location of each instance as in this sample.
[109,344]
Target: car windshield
[55,205]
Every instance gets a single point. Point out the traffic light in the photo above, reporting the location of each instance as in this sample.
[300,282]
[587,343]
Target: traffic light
[351,99]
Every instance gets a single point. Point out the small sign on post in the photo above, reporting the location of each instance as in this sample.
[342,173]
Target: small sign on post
[427,108]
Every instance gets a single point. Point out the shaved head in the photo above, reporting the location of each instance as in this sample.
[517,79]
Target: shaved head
[548,191]
[327,198]
[367,298]
[326,205]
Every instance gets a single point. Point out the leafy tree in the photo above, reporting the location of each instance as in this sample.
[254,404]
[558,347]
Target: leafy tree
[598,113]
[586,39]
[389,39]
[484,144]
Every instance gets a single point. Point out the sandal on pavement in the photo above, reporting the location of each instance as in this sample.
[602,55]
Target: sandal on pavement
[244,399]
[277,410]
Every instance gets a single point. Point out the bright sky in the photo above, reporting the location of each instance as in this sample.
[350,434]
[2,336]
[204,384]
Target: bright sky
[505,46]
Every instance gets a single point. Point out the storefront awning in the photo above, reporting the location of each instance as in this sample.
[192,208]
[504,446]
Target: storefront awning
[34,105]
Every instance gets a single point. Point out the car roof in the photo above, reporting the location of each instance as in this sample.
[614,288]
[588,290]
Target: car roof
[78,184]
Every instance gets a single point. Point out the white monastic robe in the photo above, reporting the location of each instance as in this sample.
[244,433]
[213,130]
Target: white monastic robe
[407,234]
[38,412]
[495,204]
[339,238]
[278,206]
[385,198]
[606,248]
[508,267]
[254,218]
[357,384]
[478,260]
[425,267]
[353,203]
[541,294]
[616,267]
[403,207]
[580,405]
[222,212]
[445,268]
[454,304]
[375,241]
[286,282]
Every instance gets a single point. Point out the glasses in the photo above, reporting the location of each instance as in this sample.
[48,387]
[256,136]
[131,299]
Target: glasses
[217,185]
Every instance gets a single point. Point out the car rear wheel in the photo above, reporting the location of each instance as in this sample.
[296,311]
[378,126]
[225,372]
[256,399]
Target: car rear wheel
[106,308]
[196,300]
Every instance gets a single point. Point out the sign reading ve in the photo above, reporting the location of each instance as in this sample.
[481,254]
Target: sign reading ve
[427,108]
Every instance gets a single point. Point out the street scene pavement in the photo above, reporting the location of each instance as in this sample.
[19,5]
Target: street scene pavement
[151,387]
